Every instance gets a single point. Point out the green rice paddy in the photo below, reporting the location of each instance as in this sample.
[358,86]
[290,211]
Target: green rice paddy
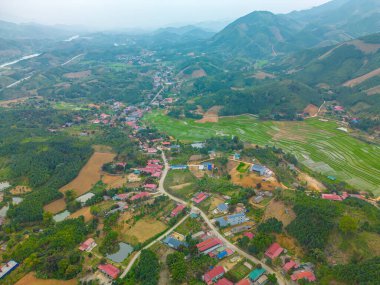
[318,145]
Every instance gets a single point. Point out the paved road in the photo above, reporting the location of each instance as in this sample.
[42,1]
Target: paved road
[280,279]
[136,256]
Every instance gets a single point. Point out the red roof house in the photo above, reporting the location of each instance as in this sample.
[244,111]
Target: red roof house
[308,275]
[244,282]
[88,245]
[214,274]
[140,195]
[199,197]
[249,235]
[274,251]
[207,244]
[177,210]
[332,197]
[152,187]
[224,281]
[289,265]
[109,270]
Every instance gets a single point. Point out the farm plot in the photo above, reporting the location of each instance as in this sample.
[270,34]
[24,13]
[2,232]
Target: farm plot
[318,145]
[143,230]
[31,279]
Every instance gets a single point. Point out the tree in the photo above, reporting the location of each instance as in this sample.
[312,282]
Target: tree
[348,225]
[272,278]
[177,266]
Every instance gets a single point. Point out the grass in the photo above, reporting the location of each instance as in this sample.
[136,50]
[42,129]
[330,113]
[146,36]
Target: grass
[242,167]
[239,271]
[318,145]
[180,177]
[189,226]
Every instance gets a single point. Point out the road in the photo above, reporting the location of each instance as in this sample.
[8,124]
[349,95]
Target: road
[136,256]
[158,93]
[280,279]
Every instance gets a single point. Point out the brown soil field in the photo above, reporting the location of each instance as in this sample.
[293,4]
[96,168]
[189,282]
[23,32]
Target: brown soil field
[144,229]
[8,103]
[198,73]
[114,181]
[215,201]
[85,212]
[365,47]
[311,109]
[361,79]
[181,186]
[78,75]
[312,183]
[19,190]
[30,279]
[211,116]
[276,209]
[89,175]
[250,179]
[373,91]
[263,75]
[56,206]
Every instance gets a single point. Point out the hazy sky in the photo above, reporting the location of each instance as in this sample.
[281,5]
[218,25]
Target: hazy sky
[108,14]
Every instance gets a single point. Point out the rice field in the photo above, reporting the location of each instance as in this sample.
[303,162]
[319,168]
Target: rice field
[318,145]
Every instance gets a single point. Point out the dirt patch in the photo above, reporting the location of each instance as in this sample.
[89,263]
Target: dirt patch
[145,229]
[211,116]
[361,79]
[373,91]
[365,47]
[312,183]
[30,279]
[114,181]
[78,75]
[263,75]
[198,73]
[181,186]
[215,201]
[278,210]
[85,212]
[56,206]
[250,179]
[9,103]
[20,190]
[90,174]
[311,109]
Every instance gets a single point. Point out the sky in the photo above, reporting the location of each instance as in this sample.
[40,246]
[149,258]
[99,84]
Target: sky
[146,14]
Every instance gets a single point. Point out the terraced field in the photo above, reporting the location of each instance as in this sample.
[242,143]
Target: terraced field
[319,145]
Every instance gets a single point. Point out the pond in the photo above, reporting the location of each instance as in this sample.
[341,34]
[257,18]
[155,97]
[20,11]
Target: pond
[124,251]
[61,216]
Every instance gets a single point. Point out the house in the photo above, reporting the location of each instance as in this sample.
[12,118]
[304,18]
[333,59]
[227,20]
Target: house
[209,245]
[140,196]
[214,274]
[240,229]
[88,245]
[150,187]
[7,268]
[84,198]
[224,281]
[303,274]
[289,265]
[173,242]
[109,270]
[262,280]
[121,197]
[198,145]
[274,251]
[262,170]
[338,108]
[256,274]
[177,210]
[237,156]
[151,150]
[199,197]
[332,197]
[208,166]
[249,235]
[178,167]
[258,199]
[232,220]
[222,208]
[244,282]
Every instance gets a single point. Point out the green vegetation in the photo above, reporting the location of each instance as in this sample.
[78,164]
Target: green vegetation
[318,145]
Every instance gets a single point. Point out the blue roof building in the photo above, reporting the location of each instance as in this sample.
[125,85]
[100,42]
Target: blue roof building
[222,207]
[174,243]
[178,167]
[231,220]
[222,254]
